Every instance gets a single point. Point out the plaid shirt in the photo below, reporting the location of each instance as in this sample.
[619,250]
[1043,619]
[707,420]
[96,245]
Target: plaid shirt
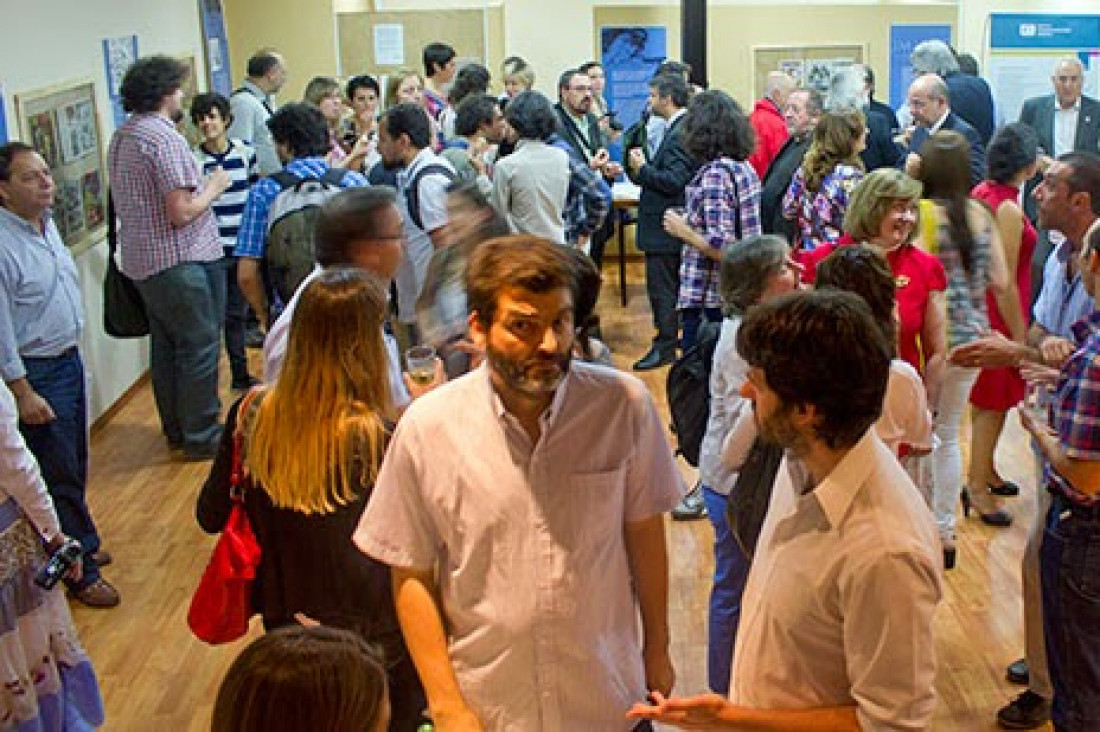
[588,199]
[711,207]
[252,236]
[819,214]
[1075,412]
[148,159]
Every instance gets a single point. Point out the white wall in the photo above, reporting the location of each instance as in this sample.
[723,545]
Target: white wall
[54,42]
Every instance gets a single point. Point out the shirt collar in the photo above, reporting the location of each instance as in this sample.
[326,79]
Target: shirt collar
[12,219]
[939,123]
[1086,327]
[839,488]
[546,419]
[677,115]
[1075,108]
[256,90]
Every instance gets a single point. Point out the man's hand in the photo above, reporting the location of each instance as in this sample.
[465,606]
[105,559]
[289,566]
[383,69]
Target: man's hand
[612,170]
[989,351]
[599,160]
[912,165]
[458,720]
[636,159]
[219,180]
[695,712]
[1034,423]
[33,409]
[660,676]
[1039,375]
[1055,350]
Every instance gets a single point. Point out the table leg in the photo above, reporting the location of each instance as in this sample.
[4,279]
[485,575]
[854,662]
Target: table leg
[622,216]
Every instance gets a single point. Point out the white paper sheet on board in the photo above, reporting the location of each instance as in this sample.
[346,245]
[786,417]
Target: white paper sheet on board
[389,44]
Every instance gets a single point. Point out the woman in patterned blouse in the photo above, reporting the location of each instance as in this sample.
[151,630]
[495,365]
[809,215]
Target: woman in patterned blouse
[722,204]
[818,195]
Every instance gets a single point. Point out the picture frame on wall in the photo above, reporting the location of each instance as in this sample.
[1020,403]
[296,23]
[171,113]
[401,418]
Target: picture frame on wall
[62,123]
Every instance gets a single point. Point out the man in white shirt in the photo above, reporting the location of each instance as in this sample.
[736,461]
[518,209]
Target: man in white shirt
[520,507]
[837,618]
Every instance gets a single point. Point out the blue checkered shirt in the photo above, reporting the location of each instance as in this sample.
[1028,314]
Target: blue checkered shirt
[712,205]
[1075,412]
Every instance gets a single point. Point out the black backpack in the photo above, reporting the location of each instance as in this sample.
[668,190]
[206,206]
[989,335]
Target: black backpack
[412,190]
[688,391]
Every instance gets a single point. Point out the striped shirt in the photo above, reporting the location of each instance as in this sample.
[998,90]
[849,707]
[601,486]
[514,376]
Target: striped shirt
[239,161]
[148,159]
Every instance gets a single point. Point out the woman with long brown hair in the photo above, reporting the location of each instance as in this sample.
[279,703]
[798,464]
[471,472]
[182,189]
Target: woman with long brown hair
[312,446]
[818,195]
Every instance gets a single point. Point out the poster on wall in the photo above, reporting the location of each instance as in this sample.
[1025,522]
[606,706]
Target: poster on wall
[1024,49]
[219,76]
[903,38]
[3,117]
[630,56]
[119,55]
[389,44]
[76,130]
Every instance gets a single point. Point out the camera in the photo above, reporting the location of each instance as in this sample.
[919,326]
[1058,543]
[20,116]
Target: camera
[61,561]
[612,120]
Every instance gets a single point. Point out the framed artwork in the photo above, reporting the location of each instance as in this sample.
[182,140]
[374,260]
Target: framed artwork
[191,86]
[62,123]
[811,66]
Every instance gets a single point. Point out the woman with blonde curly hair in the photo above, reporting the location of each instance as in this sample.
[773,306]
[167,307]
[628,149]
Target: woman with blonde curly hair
[312,446]
[818,195]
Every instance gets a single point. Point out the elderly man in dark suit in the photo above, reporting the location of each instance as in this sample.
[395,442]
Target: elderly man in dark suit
[931,111]
[1065,121]
[662,180]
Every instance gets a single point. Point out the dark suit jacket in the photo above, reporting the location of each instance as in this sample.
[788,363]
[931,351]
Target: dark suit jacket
[663,180]
[972,100]
[885,111]
[776,183]
[881,151]
[1039,113]
[571,133]
[957,124]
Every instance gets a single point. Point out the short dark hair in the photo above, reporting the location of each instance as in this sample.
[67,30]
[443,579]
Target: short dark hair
[473,78]
[409,119]
[302,678]
[473,112]
[668,66]
[348,217]
[262,62]
[1084,175]
[566,77]
[528,262]
[206,102]
[302,128]
[1013,148]
[531,115]
[673,86]
[835,332]
[8,152]
[862,270]
[363,81]
[588,66]
[149,81]
[968,64]
[436,56]
[715,126]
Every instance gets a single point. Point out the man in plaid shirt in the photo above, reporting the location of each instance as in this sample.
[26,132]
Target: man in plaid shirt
[168,242]
[1070,445]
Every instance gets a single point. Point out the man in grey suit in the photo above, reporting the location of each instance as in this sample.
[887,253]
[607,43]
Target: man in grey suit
[1065,121]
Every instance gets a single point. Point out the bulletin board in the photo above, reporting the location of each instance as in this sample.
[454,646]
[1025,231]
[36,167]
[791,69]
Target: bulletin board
[811,66]
[464,29]
[62,123]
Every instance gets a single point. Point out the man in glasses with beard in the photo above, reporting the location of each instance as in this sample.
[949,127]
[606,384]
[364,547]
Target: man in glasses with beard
[520,507]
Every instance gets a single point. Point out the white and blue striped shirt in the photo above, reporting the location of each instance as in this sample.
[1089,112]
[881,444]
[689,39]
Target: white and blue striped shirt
[239,161]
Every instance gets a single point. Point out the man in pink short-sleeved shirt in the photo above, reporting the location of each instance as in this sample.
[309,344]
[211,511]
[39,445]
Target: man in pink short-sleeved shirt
[520,507]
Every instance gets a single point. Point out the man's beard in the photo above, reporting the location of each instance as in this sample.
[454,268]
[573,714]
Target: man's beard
[533,377]
[779,429]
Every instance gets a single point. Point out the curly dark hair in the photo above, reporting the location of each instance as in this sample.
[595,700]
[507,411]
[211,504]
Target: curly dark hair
[409,119]
[1013,148]
[149,81]
[715,126]
[531,115]
[363,81]
[836,332]
[204,104]
[302,128]
[473,112]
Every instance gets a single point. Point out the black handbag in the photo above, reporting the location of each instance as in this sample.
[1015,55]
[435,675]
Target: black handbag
[124,313]
[748,500]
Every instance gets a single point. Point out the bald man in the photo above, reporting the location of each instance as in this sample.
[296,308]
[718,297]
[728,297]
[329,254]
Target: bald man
[767,120]
[931,111]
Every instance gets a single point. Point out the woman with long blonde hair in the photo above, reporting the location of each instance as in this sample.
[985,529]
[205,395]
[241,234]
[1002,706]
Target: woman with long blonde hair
[312,446]
[818,195]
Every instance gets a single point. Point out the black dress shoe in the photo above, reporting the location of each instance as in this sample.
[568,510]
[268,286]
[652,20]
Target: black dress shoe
[655,359]
[1018,672]
[1027,711]
[1006,489]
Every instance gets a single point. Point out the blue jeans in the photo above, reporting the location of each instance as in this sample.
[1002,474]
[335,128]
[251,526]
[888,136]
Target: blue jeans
[61,448]
[691,319]
[186,304]
[1070,568]
[236,315]
[731,570]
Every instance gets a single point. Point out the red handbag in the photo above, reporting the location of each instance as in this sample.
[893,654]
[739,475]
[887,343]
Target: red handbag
[222,603]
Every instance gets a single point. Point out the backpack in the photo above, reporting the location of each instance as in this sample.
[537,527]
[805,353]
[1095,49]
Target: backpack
[412,190]
[290,254]
[688,391]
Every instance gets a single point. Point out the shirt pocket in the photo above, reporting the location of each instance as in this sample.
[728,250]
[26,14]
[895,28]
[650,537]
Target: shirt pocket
[594,504]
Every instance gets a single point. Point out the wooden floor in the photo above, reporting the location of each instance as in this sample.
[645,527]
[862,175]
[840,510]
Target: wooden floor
[156,676]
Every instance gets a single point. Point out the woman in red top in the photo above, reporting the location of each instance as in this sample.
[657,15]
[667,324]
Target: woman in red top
[1012,159]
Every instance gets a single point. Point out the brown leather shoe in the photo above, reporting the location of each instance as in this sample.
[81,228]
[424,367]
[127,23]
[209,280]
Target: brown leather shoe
[102,558]
[98,594]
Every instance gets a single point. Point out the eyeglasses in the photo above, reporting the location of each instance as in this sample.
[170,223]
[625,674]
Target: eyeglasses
[580,88]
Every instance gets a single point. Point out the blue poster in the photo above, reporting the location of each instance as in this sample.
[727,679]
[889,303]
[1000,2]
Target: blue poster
[217,47]
[630,57]
[3,118]
[903,38]
[1020,31]
[119,54]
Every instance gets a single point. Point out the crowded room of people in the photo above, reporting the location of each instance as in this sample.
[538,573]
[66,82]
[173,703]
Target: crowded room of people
[493,366]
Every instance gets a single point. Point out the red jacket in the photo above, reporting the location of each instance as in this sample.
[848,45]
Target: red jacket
[771,133]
